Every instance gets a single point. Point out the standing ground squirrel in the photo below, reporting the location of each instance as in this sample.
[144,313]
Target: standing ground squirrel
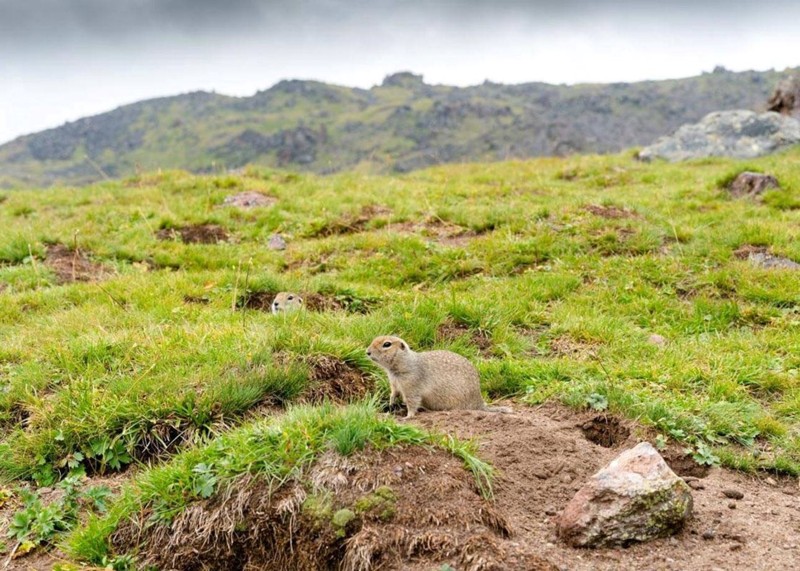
[286,301]
[433,380]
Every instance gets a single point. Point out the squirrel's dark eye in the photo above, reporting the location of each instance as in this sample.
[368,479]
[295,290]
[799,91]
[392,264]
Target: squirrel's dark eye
[291,297]
[387,344]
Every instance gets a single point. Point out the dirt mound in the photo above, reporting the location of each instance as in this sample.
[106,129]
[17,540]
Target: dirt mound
[611,211]
[195,234]
[451,330]
[74,265]
[352,223]
[544,456]
[249,199]
[406,508]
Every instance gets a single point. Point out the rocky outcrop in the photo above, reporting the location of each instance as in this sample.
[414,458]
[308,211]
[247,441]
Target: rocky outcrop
[635,498]
[739,134]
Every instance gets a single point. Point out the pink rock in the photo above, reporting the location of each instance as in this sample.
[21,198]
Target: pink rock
[656,339]
[636,497]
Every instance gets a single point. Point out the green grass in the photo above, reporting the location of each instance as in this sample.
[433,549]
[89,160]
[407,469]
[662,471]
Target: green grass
[97,376]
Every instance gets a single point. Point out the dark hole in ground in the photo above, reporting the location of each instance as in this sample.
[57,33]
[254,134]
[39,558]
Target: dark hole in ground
[259,300]
[683,464]
[605,431]
[73,265]
[333,379]
[450,330]
[195,234]
[352,223]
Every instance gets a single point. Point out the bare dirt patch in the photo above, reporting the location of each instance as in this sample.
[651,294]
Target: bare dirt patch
[611,212]
[249,199]
[544,457]
[74,265]
[567,346]
[353,223]
[409,508]
[437,230]
[451,330]
[195,234]
[760,256]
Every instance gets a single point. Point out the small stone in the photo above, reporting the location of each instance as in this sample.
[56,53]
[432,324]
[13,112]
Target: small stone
[696,485]
[736,547]
[752,184]
[771,482]
[708,535]
[733,494]
[276,242]
[656,339]
[550,511]
[732,505]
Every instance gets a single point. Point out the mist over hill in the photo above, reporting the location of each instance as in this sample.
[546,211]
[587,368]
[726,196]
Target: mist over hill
[401,125]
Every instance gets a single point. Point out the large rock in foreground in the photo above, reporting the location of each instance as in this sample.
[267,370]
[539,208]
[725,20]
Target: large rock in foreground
[635,498]
[739,134]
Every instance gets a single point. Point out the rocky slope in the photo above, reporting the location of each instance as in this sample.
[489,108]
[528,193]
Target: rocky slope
[401,125]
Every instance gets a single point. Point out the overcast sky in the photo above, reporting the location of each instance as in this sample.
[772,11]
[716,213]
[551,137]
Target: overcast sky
[64,59]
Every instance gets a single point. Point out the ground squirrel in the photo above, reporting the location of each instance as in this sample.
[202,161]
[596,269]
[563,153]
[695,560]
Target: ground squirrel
[433,380]
[286,301]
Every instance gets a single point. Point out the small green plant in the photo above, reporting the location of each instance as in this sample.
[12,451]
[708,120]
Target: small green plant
[596,401]
[703,455]
[203,480]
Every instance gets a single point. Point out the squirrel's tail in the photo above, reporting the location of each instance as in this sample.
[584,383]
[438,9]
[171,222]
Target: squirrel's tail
[503,409]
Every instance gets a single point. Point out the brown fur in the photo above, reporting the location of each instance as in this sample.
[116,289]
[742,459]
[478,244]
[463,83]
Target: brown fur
[286,301]
[433,380]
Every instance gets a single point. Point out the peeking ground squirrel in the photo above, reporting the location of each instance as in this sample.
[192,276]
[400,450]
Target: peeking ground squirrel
[433,380]
[286,301]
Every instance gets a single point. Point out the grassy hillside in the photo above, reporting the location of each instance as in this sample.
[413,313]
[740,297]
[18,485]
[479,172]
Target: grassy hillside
[122,344]
[401,125]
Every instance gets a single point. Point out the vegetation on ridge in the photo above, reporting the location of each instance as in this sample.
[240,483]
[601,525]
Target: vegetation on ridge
[124,344]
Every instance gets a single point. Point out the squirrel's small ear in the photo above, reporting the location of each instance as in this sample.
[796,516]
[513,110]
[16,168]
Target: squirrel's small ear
[403,345]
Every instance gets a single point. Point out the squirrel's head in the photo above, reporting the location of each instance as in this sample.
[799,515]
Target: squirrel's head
[385,349]
[286,301]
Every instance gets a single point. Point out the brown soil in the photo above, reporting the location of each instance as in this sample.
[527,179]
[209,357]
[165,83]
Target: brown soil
[611,211]
[437,230]
[74,265]
[333,379]
[249,199]
[354,222]
[543,456]
[451,330]
[566,346]
[195,234]
[432,514]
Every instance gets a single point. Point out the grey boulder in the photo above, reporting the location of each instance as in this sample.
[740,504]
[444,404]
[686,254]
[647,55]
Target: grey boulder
[738,134]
